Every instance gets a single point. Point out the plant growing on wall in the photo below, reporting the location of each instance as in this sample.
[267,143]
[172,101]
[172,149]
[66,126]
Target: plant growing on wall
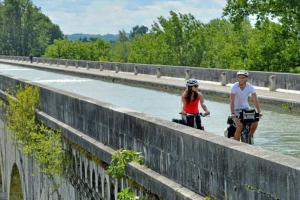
[34,138]
[126,194]
[120,159]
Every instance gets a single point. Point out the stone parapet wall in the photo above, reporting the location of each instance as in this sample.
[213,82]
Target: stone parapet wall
[153,182]
[273,80]
[204,163]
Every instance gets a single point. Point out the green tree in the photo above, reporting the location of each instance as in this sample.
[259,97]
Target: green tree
[270,49]
[148,49]
[24,29]
[121,49]
[12,14]
[138,30]
[183,36]
[122,36]
[79,50]
[287,11]
[180,39]
[224,45]
[99,50]
[33,137]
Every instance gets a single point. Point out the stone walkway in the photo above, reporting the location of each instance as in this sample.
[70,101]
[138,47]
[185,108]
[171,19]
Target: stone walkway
[289,98]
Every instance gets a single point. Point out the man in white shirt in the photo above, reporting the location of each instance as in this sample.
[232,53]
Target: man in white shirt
[240,92]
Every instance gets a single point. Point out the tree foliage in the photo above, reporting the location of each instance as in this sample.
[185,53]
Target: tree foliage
[138,30]
[183,38]
[148,49]
[24,29]
[180,39]
[126,194]
[33,137]
[287,11]
[80,50]
[120,160]
[120,50]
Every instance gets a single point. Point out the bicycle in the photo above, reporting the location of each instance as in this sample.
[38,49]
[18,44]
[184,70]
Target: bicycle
[184,120]
[247,117]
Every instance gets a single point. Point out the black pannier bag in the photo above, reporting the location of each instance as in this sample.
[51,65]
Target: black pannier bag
[230,130]
[179,121]
[249,116]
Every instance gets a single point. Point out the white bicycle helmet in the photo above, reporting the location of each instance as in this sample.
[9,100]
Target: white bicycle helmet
[191,82]
[242,72]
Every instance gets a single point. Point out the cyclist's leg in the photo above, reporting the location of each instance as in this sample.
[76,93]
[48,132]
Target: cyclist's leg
[253,128]
[198,121]
[238,130]
[238,125]
[190,121]
[183,119]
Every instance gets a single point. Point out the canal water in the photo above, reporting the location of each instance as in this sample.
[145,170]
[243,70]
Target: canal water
[277,131]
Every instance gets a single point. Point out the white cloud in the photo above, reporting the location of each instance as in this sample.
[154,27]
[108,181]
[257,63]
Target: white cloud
[80,16]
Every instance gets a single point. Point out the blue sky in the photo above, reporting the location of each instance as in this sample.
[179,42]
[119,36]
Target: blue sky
[110,16]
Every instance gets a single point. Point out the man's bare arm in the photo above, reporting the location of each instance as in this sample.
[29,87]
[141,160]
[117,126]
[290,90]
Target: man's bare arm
[256,102]
[232,97]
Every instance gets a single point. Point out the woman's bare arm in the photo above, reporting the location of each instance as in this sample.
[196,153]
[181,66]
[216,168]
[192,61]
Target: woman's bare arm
[203,104]
[183,102]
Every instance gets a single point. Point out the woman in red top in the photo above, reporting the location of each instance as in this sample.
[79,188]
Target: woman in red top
[190,104]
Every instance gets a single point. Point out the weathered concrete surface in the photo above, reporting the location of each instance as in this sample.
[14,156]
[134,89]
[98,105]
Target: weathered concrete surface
[281,80]
[84,179]
[152,181]
[282,100]
[149,179]
[34,184]
[3,196]
[206,164]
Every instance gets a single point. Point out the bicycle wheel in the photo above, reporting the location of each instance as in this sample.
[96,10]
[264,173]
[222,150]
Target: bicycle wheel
[245,136]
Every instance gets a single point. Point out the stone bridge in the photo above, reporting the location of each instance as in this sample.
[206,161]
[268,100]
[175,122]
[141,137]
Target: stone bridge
[180,162]
[85,179]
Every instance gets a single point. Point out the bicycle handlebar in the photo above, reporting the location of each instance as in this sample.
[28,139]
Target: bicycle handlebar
[189,114]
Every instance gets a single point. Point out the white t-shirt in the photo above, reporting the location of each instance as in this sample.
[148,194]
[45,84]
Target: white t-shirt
[241,96]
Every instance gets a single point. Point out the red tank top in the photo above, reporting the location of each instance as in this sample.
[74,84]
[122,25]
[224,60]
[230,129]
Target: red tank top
[192,106]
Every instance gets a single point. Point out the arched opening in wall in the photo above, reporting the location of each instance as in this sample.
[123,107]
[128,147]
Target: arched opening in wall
[99,185]
[120,185]
[93,179]
[105,188]
[88,174]
[112,190]
[82,170]
[74,164]
[78,164]
[15,192]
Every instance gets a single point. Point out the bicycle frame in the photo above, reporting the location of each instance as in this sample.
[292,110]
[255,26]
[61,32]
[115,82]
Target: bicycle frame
[183,119]
[245,135]
[247,117]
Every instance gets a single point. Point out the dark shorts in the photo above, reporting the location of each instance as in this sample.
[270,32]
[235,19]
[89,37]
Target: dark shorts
[193,121]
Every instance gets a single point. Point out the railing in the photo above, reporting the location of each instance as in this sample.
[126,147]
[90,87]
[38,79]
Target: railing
[272,80]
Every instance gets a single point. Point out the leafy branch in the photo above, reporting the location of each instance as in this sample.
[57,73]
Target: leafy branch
[34,138]
[120,160]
